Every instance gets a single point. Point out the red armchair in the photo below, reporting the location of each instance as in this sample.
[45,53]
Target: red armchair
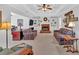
[16,35]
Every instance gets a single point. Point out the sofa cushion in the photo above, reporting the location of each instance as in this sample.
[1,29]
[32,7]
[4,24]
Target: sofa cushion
[69,33]
[65,31]
[61,30]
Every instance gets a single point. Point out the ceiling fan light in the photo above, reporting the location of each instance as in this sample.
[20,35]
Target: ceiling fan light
[44,9]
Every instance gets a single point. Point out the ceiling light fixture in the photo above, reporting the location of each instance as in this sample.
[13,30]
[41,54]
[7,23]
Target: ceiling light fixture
[45,7]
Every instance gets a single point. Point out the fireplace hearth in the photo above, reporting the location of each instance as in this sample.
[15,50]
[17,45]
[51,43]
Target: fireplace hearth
[45,28]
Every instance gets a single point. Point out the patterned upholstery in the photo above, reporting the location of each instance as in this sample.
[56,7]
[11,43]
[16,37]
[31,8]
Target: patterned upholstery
[30,34]
[59,35]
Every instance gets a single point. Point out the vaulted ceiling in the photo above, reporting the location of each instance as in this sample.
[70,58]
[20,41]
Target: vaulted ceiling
[31,10]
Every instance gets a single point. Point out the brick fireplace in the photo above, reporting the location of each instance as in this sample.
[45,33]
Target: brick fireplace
[45,28]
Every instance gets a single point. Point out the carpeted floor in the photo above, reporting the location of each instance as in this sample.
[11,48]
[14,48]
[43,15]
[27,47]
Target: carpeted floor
[44,44]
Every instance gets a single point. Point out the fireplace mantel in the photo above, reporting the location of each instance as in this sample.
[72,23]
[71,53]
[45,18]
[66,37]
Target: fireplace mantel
[45,28]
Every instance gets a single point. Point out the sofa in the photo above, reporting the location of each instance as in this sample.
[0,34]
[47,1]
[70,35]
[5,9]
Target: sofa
[20,49]
[29,34]
[59,35]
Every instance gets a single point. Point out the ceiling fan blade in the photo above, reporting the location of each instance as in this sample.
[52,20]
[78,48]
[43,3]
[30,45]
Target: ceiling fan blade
[40,9]
[49,8]
[48,5]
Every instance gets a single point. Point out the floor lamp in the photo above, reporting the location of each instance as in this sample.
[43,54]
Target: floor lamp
[6,26]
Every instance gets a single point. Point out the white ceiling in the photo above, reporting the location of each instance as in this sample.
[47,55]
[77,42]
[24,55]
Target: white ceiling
[31,10]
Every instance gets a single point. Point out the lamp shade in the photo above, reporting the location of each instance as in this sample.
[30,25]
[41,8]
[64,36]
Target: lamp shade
[71,24]
[5,25]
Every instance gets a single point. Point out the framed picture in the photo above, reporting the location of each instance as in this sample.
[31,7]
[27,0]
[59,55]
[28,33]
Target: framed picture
[35,21]
[69,18]
[76,19]
[20,22]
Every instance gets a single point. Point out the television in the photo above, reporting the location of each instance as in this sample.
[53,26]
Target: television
[31,22]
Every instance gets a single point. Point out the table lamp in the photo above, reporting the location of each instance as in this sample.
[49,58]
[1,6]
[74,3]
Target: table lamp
[6,26]
[71,25]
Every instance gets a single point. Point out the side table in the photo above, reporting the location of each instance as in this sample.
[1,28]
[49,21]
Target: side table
[74,39]
[76,45]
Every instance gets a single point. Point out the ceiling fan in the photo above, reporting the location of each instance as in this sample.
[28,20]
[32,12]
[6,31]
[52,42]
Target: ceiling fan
[45,7]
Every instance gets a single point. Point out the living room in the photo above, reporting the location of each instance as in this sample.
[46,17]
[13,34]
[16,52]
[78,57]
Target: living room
[39,27]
